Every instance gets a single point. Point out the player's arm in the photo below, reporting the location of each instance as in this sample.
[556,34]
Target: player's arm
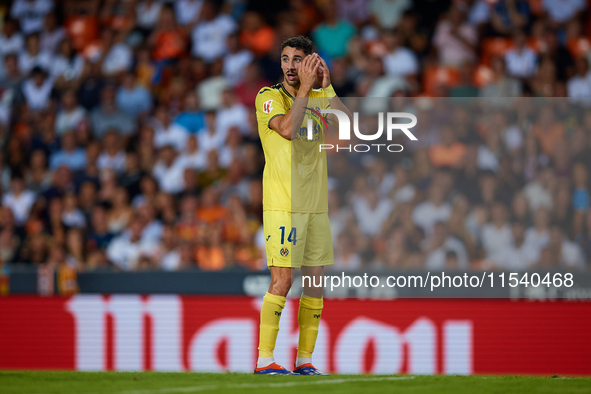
[289,124]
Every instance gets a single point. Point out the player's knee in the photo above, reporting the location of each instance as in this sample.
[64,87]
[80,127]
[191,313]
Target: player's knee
[280,285]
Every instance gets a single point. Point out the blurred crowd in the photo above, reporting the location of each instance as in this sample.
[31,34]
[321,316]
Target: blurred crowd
[129,135]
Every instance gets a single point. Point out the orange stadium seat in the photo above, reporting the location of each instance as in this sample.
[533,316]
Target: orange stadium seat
[496,46]
[436,76]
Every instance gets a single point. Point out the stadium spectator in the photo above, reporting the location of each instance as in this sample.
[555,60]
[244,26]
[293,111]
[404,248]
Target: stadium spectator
[107,116]
[520,60]
[31,14]
[503,84]
[455,39]
[70,115]
[18,199]
[127,250]
[69,155]
[11,39]
[386,13]
[509,15]
[210,35]
[256,36]
[437,249]
[37,91]
[167,40]
[434,210]
[332,36]
[52,33]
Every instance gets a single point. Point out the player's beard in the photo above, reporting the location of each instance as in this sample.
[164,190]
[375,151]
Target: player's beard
[293,83]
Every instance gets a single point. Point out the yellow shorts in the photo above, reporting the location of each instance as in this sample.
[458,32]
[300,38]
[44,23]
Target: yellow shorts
[297,239]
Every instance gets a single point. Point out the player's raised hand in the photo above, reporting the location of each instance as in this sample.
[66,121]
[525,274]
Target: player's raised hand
[323,74]
[308,71]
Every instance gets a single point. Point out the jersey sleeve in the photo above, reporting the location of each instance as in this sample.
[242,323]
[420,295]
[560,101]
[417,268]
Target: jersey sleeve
[269,105]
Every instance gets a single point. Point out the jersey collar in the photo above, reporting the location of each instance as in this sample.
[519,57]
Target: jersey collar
[286,92]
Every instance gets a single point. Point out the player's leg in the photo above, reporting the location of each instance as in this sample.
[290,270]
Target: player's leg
[311,304]
[283,256]
[317,254]
[273,304]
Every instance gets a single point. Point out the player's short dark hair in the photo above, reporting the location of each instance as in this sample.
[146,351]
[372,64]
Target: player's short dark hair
[300,42]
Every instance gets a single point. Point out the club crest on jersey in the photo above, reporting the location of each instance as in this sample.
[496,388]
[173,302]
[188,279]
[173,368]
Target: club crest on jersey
[267,106]
[284,252]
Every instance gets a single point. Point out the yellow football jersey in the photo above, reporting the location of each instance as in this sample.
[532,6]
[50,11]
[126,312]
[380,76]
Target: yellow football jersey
[295,174]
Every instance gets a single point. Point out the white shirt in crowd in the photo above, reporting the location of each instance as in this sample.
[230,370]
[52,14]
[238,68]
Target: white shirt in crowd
[571,255]
[535,239]
[486,159]
[19,205]
[351,262]
[51,39]
[563,10]
[370,219]
[119,58]
[171,261]
[37,97]
[210,92]
[116,162]
[401,62]
[452,51]
[516,258]
[210,141]
[235,65]
[187,10]
[147,15]
[26,61]
[197,160]
[426,214]
[405,194]
[175,135]
[74,218]
[14,44]
[521,64]
[170,179]
[69,120]
[66,68]
[436,259]
[31,14]
[236,115]
[495,239]
[512,137]
[537,196]
[126,254]
[209,37]
[578,89]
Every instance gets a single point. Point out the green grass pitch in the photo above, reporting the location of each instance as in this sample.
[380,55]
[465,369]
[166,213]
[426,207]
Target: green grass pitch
[182,383]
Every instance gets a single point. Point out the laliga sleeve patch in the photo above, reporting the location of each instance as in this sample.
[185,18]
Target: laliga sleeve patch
[267,106]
